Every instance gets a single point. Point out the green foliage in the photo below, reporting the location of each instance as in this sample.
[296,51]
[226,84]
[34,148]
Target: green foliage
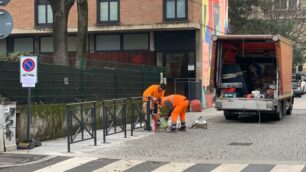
[239,13]
[299,56]
[258,17]
[12,57]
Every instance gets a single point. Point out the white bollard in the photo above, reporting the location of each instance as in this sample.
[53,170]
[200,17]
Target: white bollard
[1,140]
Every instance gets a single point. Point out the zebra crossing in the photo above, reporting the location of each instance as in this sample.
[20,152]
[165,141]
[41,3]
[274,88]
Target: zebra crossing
[84,164]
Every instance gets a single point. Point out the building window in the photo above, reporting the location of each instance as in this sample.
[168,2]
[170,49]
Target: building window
[46,44]
[175,10]
[23,45]
[136,42]
[3,46]
[44,15]
[293,4]
[72,43]
[108,11]
[108,42]
[281,4]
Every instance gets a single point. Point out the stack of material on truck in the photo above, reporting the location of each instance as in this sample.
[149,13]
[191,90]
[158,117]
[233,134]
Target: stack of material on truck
[234,74]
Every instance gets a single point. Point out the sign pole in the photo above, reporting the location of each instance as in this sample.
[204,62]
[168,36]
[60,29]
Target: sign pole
[28,79]
[29,113]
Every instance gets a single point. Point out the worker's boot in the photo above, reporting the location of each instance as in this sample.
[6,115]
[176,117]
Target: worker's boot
[183,127]
[172,129]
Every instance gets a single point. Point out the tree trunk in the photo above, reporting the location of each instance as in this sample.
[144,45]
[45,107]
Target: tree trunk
[60,10]
[82,33]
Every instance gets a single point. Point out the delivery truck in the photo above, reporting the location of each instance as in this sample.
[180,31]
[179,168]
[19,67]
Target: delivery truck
[252,74]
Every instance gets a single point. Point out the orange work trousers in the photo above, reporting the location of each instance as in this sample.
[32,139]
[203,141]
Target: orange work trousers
[179,110]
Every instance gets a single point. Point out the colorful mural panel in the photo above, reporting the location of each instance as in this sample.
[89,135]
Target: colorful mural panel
[214,21]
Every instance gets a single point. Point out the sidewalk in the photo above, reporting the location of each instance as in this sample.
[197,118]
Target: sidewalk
[58,147]
[9,159]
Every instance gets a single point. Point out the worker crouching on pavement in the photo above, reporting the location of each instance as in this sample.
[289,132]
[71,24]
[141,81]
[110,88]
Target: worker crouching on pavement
[153,94]
[176,106]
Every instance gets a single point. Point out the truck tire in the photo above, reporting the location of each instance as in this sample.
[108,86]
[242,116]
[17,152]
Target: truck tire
[230,115]
[279,112]
[289,110]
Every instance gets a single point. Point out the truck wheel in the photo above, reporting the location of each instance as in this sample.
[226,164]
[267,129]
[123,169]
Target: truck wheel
[289,110]
[230,115]
[279,112]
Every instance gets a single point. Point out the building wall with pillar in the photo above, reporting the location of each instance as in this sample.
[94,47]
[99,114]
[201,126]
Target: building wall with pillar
[214,21]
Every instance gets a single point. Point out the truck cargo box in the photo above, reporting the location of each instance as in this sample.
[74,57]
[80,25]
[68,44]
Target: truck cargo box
[258,68]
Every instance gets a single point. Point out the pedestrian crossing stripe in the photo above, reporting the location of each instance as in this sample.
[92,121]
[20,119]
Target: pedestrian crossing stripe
[120,165]
[230,167]
[285,168]
[174,167]
[84,164]
[67,164]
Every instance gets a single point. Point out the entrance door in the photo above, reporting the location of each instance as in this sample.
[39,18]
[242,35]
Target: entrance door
[178,65]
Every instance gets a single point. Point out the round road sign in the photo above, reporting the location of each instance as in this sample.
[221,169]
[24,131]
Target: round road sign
[6,24]
[28,65]
[4,2]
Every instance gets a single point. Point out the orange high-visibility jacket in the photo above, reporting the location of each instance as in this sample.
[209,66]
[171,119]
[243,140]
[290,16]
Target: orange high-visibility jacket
[175,99]
[153,91]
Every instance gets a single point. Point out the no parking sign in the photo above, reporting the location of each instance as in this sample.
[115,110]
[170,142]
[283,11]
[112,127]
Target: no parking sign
[28,71]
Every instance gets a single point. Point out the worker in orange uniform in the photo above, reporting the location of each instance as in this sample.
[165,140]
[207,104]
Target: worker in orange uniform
[177,106]
[153,94]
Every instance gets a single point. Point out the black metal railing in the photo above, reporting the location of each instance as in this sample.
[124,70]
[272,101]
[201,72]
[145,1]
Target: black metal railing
[114,117]
[81,122]
[138,114]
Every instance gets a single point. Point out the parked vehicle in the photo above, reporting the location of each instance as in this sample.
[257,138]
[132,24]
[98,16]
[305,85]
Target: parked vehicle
[303,84]
[300,79]
[252,73]
[297,90]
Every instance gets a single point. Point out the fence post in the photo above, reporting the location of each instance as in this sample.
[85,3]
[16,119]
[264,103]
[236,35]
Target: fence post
[124,117]
[115,116]
[82,122]
[95,124]
[68,128]
[116,82]
[132,116]
[148,124]
[104,122]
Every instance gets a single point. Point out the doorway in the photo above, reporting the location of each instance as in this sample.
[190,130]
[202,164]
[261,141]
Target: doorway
[177,65]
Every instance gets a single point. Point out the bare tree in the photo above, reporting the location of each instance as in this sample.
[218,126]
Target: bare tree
[60,10]
[82,6]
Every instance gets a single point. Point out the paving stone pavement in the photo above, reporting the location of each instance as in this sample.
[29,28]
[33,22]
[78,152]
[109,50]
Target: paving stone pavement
[241,140]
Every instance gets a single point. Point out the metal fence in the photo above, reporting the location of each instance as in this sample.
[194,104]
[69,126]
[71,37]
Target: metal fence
[118,113]
[62,84]
[189,87]
[81,122]
[114,117]
[139,118]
